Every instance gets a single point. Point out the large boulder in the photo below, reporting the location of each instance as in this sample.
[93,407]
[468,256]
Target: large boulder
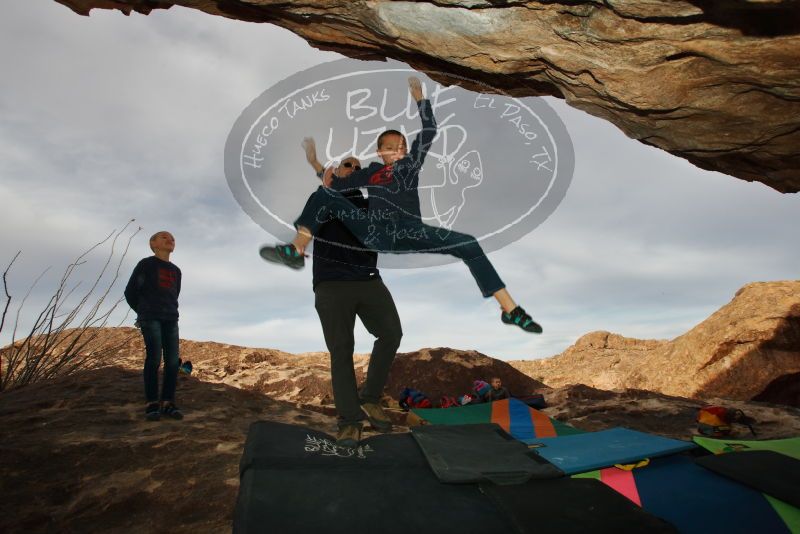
[716,83]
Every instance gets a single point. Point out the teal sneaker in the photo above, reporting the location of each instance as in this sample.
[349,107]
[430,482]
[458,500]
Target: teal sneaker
[522,320]
[283,254]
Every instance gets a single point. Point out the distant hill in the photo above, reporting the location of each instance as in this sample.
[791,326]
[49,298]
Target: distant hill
[749,350]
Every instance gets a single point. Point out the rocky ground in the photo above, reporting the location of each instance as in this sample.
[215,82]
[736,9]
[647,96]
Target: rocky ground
[76,454]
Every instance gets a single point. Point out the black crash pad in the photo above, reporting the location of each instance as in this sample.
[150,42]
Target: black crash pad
[480,452]
[295,479]
[773,473]
[568,505]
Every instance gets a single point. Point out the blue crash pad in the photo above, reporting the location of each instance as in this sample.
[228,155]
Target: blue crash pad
[585,452]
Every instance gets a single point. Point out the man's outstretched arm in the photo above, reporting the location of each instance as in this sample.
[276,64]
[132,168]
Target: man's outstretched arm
[310,148]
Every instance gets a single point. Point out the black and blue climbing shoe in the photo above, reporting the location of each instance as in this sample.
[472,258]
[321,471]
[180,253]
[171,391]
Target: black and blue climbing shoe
[522,320]
[283,254]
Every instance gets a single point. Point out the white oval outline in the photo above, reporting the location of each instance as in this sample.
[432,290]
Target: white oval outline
[358,73]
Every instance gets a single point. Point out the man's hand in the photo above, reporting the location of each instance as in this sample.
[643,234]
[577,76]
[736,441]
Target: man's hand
[310,148]
[327,177]
[415,86]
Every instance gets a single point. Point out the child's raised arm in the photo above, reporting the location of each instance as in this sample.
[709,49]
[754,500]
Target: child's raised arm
[422,143]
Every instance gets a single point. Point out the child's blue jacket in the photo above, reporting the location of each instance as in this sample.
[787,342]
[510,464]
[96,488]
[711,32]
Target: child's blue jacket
[393,188]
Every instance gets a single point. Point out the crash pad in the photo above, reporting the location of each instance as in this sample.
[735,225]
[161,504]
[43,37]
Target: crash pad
[513,416]
[592,450]
[696,500]
[479,452]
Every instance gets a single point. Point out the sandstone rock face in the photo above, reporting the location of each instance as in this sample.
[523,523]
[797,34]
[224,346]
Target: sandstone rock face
[716,83]
[304,379]
[444,371]
[748,349]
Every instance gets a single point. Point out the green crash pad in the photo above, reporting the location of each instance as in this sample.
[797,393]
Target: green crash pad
[512,415]
[788,446]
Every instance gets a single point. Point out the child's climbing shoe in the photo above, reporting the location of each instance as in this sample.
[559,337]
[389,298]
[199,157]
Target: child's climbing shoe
[151,412]
[522,320]
[283,254]
[170,410]
[349,436]
[377,417]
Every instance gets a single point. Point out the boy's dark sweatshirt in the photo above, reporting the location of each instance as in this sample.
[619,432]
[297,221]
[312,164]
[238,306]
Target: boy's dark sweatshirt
[393,188]
[153,289]
[340,263]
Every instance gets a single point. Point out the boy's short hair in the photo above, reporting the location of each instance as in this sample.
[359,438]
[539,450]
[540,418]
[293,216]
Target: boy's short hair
[390,132]
[155,235]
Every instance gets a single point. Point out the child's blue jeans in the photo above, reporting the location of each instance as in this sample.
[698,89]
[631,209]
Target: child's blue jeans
[160,336]
[399,233]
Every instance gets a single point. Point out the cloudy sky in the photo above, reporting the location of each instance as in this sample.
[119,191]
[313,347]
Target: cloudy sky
[109,118]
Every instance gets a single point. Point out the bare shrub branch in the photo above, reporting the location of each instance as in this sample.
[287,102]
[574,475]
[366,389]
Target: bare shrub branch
[62,341]
[5,289]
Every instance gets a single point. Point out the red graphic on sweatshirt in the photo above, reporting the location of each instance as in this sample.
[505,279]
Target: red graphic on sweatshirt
[167,278]
[382,177]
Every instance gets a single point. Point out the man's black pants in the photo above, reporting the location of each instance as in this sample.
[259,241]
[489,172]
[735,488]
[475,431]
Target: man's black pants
[338,303]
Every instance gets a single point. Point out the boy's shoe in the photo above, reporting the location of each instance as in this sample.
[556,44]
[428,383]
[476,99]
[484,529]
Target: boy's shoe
[377,417]
[170,410]
[283,254]
[522,320]
[151,412]
[349,436]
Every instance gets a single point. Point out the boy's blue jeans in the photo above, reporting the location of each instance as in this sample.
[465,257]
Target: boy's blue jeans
[160,336]
[399,233]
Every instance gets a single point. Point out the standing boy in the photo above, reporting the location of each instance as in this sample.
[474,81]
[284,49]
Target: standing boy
[152,292]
